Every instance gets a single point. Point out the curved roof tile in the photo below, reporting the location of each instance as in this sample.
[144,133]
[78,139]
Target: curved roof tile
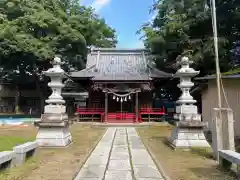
[118,64]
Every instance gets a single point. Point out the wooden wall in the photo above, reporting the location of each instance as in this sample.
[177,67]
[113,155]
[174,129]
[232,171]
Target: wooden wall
[210,101]
[97,100]
[145,99]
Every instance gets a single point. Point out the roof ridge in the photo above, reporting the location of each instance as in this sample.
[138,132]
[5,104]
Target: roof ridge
[119,49]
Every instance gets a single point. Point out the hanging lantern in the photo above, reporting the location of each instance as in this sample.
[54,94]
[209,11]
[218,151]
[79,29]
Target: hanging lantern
[129,97]
[114,97]
[117,98]
[125,99]
[121,99]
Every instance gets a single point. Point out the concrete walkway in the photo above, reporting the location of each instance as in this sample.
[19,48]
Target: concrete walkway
[120,155]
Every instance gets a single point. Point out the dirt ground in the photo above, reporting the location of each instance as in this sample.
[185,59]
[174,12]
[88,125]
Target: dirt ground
[196,164]
[57,163]
[19,130]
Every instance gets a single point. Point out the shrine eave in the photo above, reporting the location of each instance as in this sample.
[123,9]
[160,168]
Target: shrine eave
[153,74]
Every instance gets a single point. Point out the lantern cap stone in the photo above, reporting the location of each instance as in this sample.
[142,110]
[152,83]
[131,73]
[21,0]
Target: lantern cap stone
[57,61]
[185,61]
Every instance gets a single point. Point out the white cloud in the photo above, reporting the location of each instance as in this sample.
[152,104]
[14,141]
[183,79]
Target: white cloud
[99,4]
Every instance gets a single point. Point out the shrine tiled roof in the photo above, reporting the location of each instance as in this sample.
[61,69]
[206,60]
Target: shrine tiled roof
[107,64]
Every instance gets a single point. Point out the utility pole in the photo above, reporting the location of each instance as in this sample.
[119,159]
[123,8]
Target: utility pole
[215,35]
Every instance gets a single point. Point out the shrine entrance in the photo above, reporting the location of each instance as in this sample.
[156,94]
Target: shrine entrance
[121,106]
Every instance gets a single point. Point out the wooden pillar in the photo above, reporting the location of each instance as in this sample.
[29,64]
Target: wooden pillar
[136,106]
[106,106]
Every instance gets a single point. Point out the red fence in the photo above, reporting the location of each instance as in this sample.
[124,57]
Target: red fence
[123,115]
[153,111]
[90,110]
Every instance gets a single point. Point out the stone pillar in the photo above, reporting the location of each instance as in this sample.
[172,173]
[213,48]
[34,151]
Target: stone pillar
[106,106]
[222,130]
[136,106]
[189,129]
[53,127]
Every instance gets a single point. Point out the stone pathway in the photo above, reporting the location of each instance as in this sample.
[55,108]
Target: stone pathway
[120,155]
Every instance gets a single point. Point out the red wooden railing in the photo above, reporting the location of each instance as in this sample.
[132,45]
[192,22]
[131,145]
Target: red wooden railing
[153,111]
[90,110]
[123,115]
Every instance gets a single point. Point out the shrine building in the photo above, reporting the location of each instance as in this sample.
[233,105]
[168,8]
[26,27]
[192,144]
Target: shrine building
[118,85]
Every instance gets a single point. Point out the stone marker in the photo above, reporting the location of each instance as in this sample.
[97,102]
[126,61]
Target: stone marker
[222,131]
[53,126]
[189,130]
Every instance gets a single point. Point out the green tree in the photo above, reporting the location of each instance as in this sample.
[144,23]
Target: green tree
[32,32]
[184,27]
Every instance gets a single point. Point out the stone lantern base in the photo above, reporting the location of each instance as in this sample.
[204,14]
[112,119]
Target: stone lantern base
[188,134]
[52,132]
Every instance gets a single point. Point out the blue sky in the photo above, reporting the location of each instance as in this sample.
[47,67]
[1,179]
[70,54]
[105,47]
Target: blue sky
[125,16]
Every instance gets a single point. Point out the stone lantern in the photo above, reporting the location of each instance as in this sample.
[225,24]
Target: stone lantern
[189,128]
[53,126]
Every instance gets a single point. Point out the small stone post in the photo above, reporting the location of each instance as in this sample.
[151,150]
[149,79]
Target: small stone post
[53,127]
[189,130]
[222,130]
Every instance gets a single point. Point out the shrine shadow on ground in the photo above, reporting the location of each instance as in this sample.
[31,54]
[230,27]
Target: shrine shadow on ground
[162,139]
[172,121]
[204,152]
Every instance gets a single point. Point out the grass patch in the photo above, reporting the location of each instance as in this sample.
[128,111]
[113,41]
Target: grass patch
[8,142]
[56,163]
[11,136]
[196,164]
[232,72]
[204,152]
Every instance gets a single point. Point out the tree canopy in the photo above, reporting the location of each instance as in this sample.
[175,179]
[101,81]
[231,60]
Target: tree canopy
[32,32]
[184,27]
[43,28]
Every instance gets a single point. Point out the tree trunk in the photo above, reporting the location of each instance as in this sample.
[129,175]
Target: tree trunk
[40,95]
[17,98]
